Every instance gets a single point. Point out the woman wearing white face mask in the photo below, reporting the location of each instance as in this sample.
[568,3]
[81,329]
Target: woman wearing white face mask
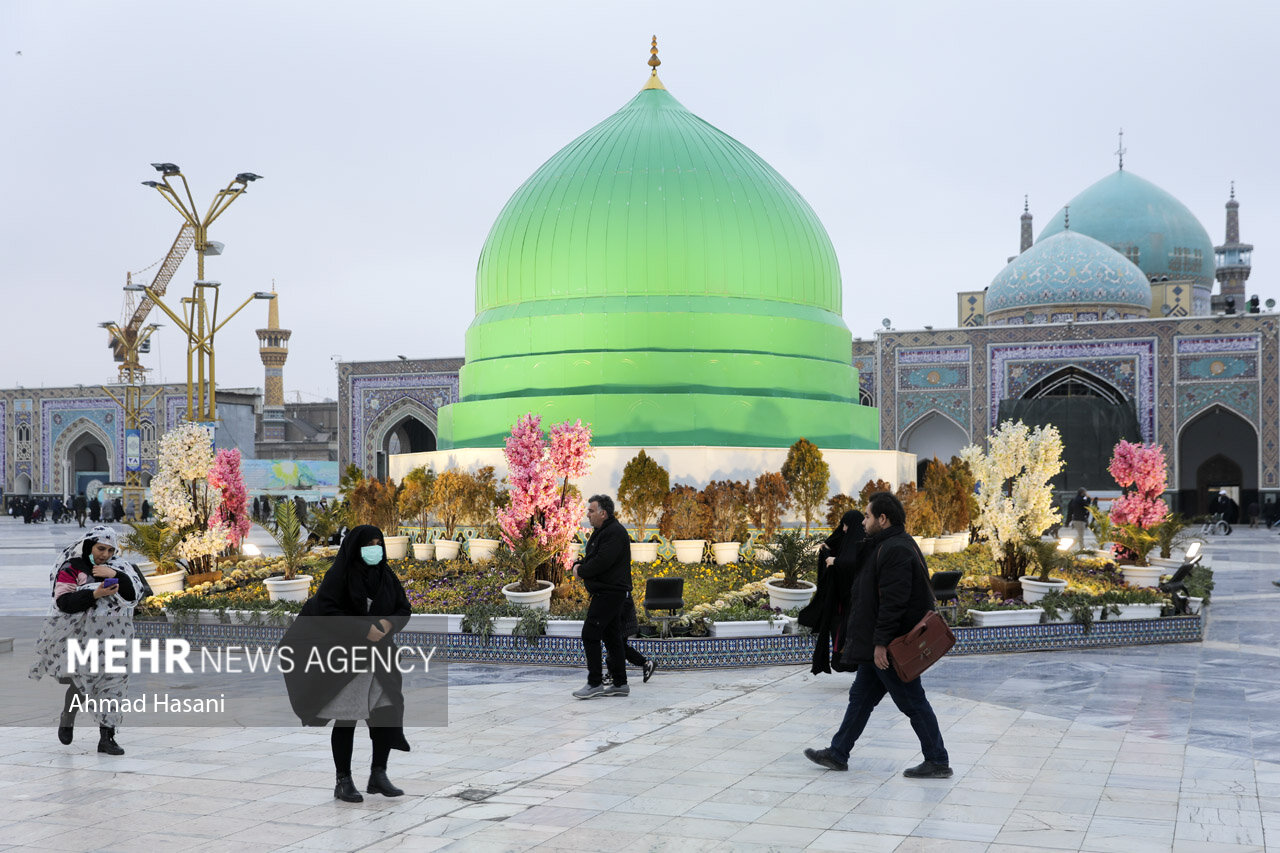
[360,605]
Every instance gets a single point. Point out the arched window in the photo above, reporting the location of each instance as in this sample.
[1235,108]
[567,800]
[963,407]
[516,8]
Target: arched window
[147,431]
[24,433]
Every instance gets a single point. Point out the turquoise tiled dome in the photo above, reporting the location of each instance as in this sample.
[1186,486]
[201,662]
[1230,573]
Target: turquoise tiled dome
[1145,224]
[1068,273]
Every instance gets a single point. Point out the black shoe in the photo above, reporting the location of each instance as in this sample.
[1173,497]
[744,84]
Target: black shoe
[346,791]
[107,741]
[648,669]
[824,758]
[928,770]
[66,728]
[380,784]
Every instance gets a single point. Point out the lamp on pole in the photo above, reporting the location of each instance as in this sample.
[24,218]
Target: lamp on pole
[130,341]
[197,320]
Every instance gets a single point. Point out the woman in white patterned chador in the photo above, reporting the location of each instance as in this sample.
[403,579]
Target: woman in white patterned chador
[94,596]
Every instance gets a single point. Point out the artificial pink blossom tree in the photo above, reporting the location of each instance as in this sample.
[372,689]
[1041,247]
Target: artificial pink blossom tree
[1141,471]
[231,513]
[539,522]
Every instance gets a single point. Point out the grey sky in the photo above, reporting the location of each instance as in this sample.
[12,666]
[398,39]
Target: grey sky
[392,133]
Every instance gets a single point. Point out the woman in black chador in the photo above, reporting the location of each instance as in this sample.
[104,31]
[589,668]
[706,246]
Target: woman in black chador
[827,613]
[360,606]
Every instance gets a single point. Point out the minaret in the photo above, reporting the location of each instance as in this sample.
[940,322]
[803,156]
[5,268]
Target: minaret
[1233,257]
[273,346]
[1026,225]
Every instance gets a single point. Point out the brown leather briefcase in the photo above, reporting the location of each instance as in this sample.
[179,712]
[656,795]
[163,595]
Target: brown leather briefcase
[921,647]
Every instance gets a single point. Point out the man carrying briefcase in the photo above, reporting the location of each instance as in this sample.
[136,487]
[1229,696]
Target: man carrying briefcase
[890,595]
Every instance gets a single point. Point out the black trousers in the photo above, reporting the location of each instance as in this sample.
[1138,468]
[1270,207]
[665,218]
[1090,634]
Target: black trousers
[604,625]
[342,741]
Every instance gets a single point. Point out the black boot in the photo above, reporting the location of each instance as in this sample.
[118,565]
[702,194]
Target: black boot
[107,741]
[346,791]
[67,722]
[380,784]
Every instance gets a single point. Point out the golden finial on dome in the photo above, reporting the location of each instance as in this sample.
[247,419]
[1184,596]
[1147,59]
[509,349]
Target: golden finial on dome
[653,81]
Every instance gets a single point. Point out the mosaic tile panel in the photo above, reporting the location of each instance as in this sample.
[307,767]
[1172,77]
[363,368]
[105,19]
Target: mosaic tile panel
[913,406]
[1217,368]
[935,355]
[367,390]
[1241,398]
[1217,343]
[929,377]
[57,415]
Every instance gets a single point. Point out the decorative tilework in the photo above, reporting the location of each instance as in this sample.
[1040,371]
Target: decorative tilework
[57,415]
[4,439]
[1222,343]
[705,653]
[373,395]
[912,406]
[935,355]
[934,377]
[1064,269]
[1217,368]
[1242,398]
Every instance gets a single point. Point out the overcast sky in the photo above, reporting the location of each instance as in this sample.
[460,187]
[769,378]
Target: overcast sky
[390,135]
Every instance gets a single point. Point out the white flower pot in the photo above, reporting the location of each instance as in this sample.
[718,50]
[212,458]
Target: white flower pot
[564,628]
[540,599]
[1167,565]
[947,545]
[644,552]
[762,554]
[785,599]
[482,549]
[993,618]
[1129,612]
[689,550]
[1194,605]
[505,624]
[424,551]
[1065,616]
[926,544]
[146,568]
[726,552]
[397,547]
[447,549]
[279,589]
[1142,575]
[435,623]
[1034,590]
[754,628]
[168,582]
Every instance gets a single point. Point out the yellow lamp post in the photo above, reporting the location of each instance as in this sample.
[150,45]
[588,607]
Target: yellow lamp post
[198,320]
[130,342]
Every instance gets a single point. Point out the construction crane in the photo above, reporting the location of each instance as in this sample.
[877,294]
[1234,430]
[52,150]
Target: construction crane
[128,340]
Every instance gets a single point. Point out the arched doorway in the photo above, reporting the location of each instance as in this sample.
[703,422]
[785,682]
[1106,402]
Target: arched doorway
[22,485]
[933,435]
[86,461]
[405,427]
[1216,449]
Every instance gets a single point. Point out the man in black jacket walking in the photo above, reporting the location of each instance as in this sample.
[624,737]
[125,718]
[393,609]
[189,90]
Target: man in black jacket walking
[891,593]
[605,569]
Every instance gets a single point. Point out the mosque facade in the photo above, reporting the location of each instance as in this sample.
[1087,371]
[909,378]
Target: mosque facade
[1109,326]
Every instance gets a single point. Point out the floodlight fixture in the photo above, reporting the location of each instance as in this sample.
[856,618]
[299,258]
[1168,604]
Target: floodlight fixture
[166,169]
[262,294]
[1193,551]
[135,288]
[248,177]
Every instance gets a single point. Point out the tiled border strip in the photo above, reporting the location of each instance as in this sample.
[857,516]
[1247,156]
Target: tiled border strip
[712,653]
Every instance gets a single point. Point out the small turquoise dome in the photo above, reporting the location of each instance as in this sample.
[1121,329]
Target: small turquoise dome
[1068,276]
[1145,224]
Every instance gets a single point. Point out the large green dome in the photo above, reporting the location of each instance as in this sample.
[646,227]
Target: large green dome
[660,280]
[1145,224]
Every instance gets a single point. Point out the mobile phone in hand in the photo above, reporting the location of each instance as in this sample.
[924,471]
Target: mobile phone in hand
[110,582]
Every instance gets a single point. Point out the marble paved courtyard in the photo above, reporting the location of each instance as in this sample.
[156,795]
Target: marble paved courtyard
[1145,749]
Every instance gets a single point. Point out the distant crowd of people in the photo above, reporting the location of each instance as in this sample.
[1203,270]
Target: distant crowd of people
[78,509]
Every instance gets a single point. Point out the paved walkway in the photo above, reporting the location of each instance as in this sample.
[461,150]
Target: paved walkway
[1147,749]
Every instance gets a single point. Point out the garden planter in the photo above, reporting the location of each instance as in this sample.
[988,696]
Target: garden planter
[435,623]
[168,582]
[203,577]
[279,589]
[505,624]
[1129,612]
[948,544]
[1166,565]
[762,554]
[540,599]
[1194,605]
[564,628]
[726,552]
[784,598]
[1142,575]
[146,568]
[754,628]
[1006,589]
[1034,590]
[926,544]
[1065,616]
[397,547]
[689,550]
[996,618]
[644,552]
[447,549]
[482,549]
[424,551]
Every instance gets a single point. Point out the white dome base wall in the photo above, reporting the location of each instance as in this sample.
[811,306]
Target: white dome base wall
[693,466]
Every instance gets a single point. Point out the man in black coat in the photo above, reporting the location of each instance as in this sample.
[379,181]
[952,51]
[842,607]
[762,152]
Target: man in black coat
[891,593]
[605,569]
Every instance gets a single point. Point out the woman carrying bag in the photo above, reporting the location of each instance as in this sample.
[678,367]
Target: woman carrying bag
[359,607]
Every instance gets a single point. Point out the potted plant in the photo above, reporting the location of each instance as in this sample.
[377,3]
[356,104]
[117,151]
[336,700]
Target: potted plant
[923,522]
[189,487]
[416,493]
[726,502]
[1015,500]
[287,532]
[449,500]
[423,548]
[1081,608]
[1000,612]
[745,619]
[644,485]
[807,476]
[1134,544]
[1199,586]
[767,503]
[1103,529]
[684,522]
[791,551]
[1048,556]
[326,521]
[1169,534]
[378,503]
[482,496]
[158,546]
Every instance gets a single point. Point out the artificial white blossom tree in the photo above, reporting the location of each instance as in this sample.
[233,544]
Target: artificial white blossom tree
[185,501]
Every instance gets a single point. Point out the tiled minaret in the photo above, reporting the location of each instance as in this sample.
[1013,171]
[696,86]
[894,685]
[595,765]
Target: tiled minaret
[1027,239]
[1233,257]
[273,346]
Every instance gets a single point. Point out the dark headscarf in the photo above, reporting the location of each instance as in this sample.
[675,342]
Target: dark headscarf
[851,519]
[826,612]
[362,580]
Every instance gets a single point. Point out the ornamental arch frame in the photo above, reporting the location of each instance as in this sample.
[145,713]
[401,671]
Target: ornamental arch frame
[388,421]
[61,459]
